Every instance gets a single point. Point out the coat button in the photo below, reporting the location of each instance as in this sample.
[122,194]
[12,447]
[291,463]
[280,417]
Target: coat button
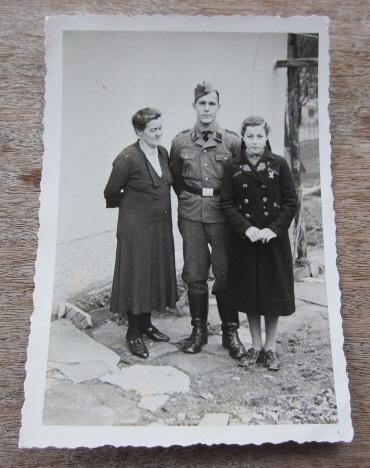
[204,151]
[263,186]
[247,215]
[165,211]
[266,213]
[264,199]
[245,185]
[206,164]
[246,200]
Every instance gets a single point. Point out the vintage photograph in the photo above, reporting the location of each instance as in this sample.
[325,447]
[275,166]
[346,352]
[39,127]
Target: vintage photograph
[186,282]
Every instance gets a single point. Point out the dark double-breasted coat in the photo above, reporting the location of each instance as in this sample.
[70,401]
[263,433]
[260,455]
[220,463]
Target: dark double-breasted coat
[144,275]
[260,276]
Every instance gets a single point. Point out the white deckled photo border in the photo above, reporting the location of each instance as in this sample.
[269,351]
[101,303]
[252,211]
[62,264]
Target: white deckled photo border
[33,433]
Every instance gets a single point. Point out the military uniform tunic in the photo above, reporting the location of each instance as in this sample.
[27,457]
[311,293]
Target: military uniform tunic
[197,167]
[260,276]
[200,164]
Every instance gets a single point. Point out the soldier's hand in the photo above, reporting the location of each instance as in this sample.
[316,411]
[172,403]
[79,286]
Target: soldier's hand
[253,234]
[266,235]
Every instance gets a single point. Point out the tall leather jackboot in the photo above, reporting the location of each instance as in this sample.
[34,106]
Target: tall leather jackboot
[230,324]
[198,304]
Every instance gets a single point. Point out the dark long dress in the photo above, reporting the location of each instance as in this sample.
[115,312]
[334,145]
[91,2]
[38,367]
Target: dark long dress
[260,278]
[144,275]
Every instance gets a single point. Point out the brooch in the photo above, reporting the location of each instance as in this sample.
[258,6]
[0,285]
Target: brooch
[246,168]
[261,166]
[272,173]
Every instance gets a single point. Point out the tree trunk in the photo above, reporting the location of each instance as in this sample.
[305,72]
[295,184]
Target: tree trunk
[294,119]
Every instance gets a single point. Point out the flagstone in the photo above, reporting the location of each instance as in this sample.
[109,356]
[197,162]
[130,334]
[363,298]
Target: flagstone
[313,292]
[153,402]
[110,334]
[70,345]
[84,405]
[150,380]
[195,364]
[83,371]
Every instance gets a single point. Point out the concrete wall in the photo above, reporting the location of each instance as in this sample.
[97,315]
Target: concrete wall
[107,76]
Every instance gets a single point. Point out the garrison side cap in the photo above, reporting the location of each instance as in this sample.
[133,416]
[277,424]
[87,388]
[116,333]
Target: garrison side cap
[202,89]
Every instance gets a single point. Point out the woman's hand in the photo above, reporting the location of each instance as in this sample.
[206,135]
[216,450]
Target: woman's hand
[266,235]
[253,234]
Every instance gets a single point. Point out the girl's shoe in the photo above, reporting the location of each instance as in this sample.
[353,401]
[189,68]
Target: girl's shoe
[250,359]
[271,361]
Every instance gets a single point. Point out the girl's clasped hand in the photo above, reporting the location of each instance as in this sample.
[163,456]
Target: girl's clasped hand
[264,235]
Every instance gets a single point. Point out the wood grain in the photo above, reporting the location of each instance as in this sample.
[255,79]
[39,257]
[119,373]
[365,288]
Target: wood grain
[21,111]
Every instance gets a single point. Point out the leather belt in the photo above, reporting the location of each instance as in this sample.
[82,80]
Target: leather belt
[203,192]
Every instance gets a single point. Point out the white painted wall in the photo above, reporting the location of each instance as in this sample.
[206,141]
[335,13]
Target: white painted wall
[107,77]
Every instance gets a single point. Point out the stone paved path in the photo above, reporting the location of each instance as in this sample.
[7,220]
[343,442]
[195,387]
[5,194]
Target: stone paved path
[86,386]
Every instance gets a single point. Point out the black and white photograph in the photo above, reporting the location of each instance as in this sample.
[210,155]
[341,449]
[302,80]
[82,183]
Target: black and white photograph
[186,288]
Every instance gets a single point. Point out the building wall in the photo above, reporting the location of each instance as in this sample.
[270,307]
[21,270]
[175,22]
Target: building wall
[105,80]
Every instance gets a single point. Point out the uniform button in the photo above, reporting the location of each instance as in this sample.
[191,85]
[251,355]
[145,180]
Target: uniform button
[206,164]
[266,213]
[165,211]
[247,215]
[246,200]
[245,185]
[264,199]
[263,186]
[204,151]
[206,178]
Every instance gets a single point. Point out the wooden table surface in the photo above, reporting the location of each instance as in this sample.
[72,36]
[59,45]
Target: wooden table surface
[22,73]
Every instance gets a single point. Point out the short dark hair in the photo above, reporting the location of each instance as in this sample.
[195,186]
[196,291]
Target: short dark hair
[143,116]
[255,121]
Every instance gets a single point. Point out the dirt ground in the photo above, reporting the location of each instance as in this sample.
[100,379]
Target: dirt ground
[302,392]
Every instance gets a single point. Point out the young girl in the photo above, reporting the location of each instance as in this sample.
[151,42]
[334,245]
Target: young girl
[259,201]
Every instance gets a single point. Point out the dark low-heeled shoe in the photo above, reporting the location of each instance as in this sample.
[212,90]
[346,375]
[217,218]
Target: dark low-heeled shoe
[155,334]
[271,361]
[137,347]
[251,358]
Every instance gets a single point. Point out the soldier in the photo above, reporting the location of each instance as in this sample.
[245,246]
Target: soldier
[197,160]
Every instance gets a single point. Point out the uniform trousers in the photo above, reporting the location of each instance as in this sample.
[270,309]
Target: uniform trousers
[204,244]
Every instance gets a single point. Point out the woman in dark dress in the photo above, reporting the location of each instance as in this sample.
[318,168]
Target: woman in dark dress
[259,201]
[144,275]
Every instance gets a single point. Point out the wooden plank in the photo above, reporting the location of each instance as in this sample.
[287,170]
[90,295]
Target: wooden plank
[296,63]
[21,112]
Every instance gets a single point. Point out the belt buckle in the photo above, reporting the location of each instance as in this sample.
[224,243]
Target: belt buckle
[207,192]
